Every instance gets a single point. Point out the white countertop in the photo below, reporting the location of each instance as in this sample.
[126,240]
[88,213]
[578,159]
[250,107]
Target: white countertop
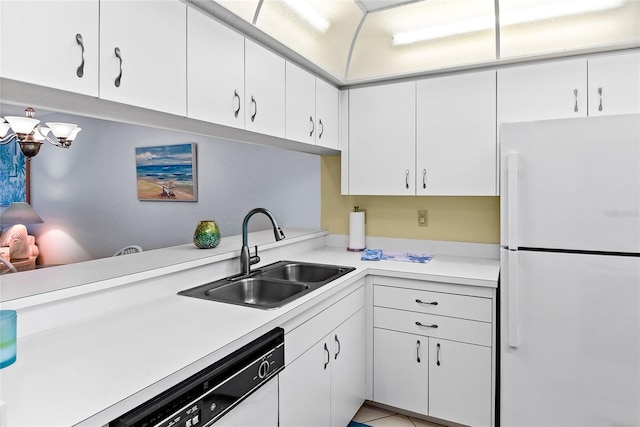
[92,370]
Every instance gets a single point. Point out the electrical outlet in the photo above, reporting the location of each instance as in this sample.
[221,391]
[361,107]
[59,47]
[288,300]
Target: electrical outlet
[422,218]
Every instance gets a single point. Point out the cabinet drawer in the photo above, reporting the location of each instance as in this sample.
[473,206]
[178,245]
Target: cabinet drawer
[469,331]
[462,306]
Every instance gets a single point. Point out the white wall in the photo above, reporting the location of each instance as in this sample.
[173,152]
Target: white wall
[87,195]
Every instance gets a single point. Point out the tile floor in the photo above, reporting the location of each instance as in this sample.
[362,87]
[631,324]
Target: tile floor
[378,417]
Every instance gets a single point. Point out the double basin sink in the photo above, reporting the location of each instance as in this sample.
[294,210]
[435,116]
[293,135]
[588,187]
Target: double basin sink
[271,286]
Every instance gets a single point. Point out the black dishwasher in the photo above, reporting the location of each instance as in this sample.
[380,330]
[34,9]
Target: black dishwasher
[206,396]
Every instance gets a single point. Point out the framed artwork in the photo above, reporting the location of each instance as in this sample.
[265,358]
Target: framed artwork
[167,172]
[14,175]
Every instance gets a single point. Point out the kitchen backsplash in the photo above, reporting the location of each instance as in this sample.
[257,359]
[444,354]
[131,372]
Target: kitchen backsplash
[458,219]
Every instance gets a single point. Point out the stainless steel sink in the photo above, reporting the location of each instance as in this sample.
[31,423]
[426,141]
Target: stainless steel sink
[302,272]
[256,291]
[271,286]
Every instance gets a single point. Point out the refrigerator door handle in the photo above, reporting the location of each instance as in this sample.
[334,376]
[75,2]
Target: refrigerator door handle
[513,321]
[512,200]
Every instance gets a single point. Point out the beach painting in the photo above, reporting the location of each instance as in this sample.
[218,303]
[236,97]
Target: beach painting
[167,172]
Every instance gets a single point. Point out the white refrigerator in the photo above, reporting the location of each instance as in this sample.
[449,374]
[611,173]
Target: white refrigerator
[570,272]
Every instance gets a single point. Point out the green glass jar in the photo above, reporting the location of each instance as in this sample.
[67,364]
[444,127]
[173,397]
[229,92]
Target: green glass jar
[207,235]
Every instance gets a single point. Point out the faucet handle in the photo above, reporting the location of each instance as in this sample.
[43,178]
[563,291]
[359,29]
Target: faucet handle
[254,259]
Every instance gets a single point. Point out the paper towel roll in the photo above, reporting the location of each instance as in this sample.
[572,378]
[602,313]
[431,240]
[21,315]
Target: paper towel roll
[356,231]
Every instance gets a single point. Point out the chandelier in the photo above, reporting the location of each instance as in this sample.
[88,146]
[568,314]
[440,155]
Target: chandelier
[29,132]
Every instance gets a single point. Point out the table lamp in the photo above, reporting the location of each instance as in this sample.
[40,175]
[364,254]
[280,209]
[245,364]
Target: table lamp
[16,236]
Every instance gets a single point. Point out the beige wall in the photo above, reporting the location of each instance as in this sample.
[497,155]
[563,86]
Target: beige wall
[461,219]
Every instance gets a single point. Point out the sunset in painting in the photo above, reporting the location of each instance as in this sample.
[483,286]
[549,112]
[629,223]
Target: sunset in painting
[166,172]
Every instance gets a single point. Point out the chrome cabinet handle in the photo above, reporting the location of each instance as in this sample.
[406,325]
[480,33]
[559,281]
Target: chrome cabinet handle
[438,354]
[321,129]
[424,178]
[236,96]
[337,342]
[80,70]
[575,94]
[313,126]
[255,106]
[434,326]
[119,56]
[328,356]
[427,303]
[418,351]
[600,93]
[406,178]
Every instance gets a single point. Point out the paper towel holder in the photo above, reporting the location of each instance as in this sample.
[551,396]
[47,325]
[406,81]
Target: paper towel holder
[356,230]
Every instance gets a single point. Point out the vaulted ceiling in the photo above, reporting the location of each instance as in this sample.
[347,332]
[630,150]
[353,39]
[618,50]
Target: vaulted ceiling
[355,41]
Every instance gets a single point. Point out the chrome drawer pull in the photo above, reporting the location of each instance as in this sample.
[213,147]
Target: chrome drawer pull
[427,303]
[80,70]
[418,351]
[326,349]
[236,96]
[426,326]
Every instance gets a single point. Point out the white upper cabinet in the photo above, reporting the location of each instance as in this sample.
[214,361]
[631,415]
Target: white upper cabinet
[551,90]
[312,109]
[51,43]
[264,90]
[382,138]
[456,135]
[328,115]
[215,71]
[143,54]
[614,84]
[300,105]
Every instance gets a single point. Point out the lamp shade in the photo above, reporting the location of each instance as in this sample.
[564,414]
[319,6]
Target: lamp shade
[23,125]
[19,213]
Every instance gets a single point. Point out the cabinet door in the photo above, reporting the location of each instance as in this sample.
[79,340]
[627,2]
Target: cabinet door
[614,84]
[301,121]
[401,370]
[456,136]
[264,90]
[215,71]
[552,90]
[382,139]
[39,43]
[305,387]
[348,369]
[460,382]
[143,54]
[327,115]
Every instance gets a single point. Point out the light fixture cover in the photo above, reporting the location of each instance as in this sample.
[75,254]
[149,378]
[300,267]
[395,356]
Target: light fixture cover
[23,125]
[4,128]
[74,133]
[19,213]
[61,130]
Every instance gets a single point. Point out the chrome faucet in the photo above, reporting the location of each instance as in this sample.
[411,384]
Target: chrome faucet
[246,260]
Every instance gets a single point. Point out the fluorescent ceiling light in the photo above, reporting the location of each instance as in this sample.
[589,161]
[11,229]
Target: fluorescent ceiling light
[443,31]
[307,13]
[536,13]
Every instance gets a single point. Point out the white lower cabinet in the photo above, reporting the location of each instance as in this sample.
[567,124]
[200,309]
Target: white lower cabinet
[325,385]
[432,350]
[347,369]
[460,382]
[305,392]
[401,370]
